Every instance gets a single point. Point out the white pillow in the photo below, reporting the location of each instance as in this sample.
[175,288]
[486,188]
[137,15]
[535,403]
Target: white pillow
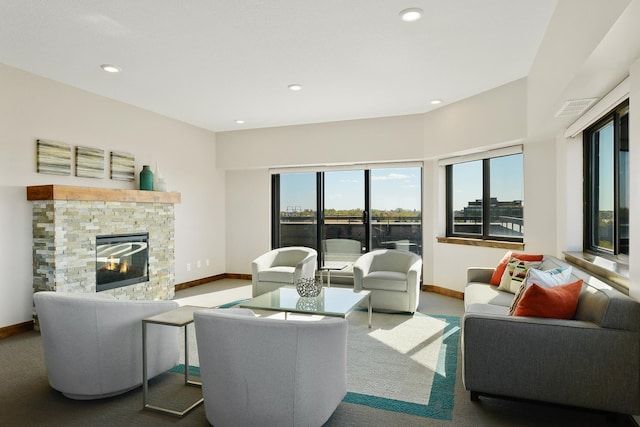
[545,279]
[549,278]
[515,274]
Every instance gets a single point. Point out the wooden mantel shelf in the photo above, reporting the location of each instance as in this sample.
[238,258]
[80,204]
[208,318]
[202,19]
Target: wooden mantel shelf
[65,192]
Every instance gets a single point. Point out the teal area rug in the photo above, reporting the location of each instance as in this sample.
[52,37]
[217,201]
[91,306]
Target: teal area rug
[436,401]
[404,363]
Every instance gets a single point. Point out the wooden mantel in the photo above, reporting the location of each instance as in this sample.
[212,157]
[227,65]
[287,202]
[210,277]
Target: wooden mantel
[65,192]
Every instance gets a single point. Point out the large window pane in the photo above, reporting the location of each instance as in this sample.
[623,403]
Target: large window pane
[298,215]
[345,213]
[623,176]
[606,147]
[396,209]
[466,193]
[604,228]
[343,234]
[506,210]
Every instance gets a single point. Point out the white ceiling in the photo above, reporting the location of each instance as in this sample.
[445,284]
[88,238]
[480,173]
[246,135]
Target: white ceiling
[211,62]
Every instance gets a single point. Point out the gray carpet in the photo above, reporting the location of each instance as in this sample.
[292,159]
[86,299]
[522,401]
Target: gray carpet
[27,400]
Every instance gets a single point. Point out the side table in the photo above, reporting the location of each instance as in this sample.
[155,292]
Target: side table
[180,317]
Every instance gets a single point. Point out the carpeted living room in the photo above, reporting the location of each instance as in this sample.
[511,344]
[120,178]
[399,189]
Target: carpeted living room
[158,155]
[29,400]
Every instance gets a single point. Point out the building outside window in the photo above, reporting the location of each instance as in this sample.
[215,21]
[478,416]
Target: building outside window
[485,197]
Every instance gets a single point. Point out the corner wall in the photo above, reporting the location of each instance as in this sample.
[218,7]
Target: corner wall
[32,107]
[494,118]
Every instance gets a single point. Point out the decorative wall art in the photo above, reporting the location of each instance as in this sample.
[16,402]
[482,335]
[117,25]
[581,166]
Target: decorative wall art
[89,162]
[53,157]
[122,166]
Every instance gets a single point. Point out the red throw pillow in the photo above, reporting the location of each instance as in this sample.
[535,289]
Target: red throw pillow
[499,271]
[558,302]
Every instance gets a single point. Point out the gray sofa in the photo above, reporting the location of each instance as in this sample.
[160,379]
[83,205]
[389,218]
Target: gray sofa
[592,361]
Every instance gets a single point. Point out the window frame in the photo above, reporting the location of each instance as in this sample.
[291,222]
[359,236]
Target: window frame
[320,172]
[614,116]
[486,202]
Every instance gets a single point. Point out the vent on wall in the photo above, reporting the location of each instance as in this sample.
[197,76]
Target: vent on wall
[575,107]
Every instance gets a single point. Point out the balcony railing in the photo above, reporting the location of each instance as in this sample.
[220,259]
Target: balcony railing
[399,232]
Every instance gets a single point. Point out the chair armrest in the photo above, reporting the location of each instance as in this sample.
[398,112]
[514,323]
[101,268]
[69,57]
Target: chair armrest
[479,274]
[414,273]
[264,261]
[360,269]
[236,311]
[306,267]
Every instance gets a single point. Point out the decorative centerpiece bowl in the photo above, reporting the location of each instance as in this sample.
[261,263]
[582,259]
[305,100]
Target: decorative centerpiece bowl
[309,286]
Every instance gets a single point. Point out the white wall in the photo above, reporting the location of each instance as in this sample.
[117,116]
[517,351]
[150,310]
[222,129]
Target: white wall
[573,62]
[247,204]
[459,127]
[382,139]
[634,160]
[32,107]
[491,119]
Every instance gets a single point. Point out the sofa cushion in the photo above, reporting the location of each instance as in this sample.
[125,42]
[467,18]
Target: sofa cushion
[499,271]
[558,302]
[280,274]
[385,280]
[481,293]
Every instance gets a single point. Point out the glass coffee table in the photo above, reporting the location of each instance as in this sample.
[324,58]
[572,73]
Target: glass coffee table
[336,302]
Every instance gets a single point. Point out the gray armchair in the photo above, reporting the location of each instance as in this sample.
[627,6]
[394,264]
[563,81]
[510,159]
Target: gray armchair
[93,342]
[282,266]
[392,276]
[270,372]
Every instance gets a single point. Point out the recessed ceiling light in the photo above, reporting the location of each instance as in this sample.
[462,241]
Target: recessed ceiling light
[111,68]
[411,15]
[436,102]
[240,122]
[295,87]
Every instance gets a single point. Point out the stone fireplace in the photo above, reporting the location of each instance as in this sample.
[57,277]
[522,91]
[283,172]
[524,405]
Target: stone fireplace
[68,222]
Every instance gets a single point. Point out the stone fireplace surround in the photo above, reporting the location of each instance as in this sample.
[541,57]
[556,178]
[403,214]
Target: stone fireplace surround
[66,221]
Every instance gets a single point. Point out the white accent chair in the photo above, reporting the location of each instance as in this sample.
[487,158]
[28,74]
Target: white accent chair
[93,342]
[339,248]
[282,266]
[259,371]
[392,276]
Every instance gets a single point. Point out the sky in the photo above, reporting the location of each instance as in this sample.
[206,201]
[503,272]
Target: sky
[506,180]
[393,188]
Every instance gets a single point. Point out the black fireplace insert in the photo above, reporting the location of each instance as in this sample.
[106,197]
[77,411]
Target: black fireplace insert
[121,260]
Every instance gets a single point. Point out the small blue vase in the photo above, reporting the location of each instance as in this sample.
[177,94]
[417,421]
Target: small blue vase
[146,178]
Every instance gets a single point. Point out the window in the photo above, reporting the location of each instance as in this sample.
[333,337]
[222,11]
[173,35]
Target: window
[344,213]
[485,198]
[606,193]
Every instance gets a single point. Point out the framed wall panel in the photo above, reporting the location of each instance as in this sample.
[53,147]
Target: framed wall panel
[122,166]
[89,162]
[53,157]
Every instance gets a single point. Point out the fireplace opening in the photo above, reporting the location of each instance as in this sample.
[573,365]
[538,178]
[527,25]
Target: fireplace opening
[121,260]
